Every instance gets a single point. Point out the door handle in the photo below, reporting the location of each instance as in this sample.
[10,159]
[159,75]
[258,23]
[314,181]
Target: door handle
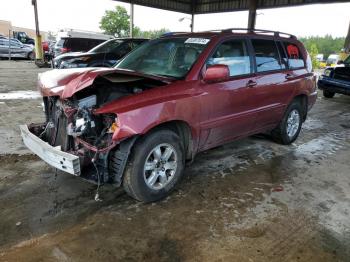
[288,76]
[251,83]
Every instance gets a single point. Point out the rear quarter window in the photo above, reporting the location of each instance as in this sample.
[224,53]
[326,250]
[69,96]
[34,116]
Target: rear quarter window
[295,57]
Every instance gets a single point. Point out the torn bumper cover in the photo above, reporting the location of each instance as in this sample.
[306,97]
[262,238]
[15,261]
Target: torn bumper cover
[51,155]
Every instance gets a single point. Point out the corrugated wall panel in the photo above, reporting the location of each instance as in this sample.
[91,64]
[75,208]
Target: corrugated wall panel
[183,6]
[216,6]
[207,6]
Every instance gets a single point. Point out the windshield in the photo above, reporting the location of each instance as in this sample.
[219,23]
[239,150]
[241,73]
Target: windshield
[106,47]
[171,57]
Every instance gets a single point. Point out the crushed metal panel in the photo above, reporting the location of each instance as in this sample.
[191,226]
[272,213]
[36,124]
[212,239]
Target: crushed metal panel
[51,155]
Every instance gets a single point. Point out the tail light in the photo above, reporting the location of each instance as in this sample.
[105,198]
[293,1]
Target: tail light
[65,50]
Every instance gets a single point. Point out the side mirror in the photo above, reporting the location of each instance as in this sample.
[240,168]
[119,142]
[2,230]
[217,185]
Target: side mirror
[340,62]
[216,73]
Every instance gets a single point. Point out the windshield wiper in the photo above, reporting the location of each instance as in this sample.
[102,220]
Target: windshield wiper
[167,76]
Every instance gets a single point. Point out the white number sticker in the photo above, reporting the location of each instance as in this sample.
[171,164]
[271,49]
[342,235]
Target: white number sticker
[200,41]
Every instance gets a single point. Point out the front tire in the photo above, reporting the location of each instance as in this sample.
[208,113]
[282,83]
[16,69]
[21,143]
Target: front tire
[156,165]
[289,128]
[31,56]
[328,94]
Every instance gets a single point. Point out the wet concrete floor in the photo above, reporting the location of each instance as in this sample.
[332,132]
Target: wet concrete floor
[250,200]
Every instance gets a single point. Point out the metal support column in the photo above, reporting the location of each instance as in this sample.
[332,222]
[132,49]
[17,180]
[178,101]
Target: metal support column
[131,20]
[253,4]
[192,23]
[38,45]
[9,44]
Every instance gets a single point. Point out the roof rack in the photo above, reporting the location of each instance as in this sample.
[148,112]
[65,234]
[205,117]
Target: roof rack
[258,31]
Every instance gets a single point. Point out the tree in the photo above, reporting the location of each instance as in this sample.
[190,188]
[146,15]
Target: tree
[326,45]
[149,34]
[313,54]
[116,22]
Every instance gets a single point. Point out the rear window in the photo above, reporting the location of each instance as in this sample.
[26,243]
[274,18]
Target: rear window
[60,43]
[78,44]
[266,55]
[295,57]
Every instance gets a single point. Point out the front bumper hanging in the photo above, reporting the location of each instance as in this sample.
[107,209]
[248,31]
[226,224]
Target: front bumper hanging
[52,155]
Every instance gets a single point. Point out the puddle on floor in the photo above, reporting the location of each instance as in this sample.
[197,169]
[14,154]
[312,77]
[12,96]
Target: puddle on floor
[20,95]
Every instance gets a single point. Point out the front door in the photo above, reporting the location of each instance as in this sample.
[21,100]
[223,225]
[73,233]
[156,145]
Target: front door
[227,107]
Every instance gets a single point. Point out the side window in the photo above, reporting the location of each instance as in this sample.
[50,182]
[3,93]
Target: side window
[266,55]
[15,44]
[136,44]
[295,57]
[283,55]
[234,54]
[124,49]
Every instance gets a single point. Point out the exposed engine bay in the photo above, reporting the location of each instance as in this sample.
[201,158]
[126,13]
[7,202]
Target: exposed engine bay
[73,125]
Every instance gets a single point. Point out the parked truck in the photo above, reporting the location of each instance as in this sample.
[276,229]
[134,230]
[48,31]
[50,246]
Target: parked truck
[23,37]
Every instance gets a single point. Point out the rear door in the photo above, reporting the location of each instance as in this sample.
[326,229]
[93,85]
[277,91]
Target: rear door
[272,89]
[227,106]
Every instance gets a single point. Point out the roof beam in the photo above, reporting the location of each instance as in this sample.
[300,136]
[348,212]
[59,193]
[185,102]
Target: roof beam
[217,6]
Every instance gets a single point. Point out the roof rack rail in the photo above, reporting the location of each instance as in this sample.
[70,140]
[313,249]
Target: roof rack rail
[275,33]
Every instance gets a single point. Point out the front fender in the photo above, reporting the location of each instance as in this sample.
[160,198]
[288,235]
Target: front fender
[142,120]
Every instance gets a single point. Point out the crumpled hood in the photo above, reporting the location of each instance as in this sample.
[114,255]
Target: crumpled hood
[66,82]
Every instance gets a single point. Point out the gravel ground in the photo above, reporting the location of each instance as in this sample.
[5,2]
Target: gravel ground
[251,200]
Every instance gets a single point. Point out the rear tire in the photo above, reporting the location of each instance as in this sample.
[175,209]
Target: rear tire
[328,94]
[289,128]
[156,165]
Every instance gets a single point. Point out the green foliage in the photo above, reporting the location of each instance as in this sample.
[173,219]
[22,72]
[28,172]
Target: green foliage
[325,45]
[313,51]
[149,34]
[116,22]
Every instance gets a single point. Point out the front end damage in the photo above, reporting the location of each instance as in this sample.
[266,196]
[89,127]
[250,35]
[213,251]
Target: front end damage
[75,137]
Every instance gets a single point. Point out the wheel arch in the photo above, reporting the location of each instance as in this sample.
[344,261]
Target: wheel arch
[303,100]
[183,130]
[122,152]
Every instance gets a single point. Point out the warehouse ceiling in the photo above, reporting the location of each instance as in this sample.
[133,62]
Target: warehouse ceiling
[216,6]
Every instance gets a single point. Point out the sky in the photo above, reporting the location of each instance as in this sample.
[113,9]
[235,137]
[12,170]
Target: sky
[85,15]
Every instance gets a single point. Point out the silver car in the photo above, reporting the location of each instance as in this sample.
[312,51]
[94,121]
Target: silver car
[18,50]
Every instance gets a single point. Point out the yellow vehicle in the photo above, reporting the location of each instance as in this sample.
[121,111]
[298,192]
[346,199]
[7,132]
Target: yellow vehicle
[343,55]
[322,64]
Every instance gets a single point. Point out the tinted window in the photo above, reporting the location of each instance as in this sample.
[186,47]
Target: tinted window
[123,49]
[235,55]
[15,43]
[60,43]
[295,57]
[107,47]
[266,55]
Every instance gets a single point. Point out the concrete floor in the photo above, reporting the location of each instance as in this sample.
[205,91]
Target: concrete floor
[251,200]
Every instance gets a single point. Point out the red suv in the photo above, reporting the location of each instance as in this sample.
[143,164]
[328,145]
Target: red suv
[137,124]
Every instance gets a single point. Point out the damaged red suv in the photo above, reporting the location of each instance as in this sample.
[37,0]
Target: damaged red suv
[137,124]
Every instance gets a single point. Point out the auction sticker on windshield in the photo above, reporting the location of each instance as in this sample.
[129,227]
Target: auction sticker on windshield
[201,41]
